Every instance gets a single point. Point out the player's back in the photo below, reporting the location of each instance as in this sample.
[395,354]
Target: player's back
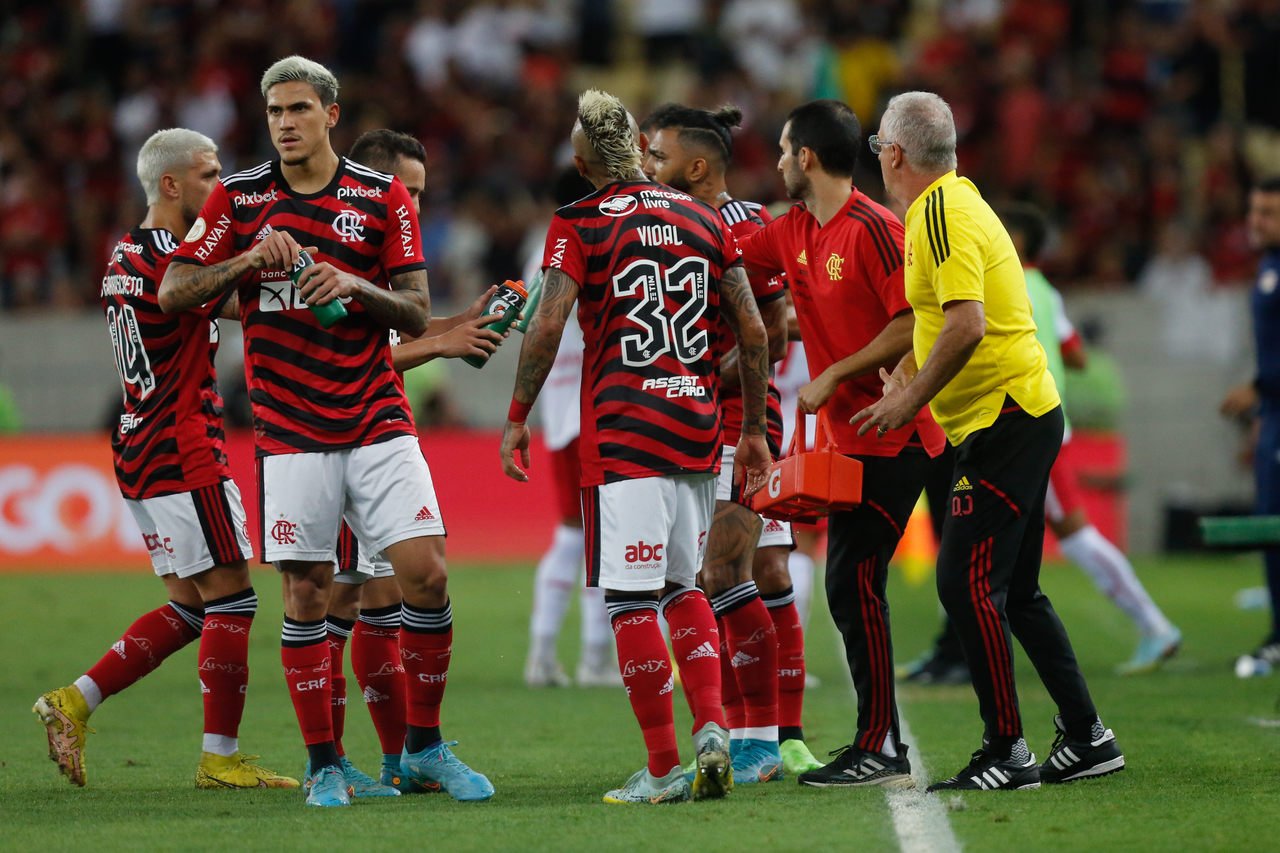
[169,437]
[649,260]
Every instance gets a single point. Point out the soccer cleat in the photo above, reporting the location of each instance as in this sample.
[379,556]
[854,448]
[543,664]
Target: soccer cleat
[604,675]
[643,787]
[1070,760]
[1152,652]
[714,776]
[364,785]
[932,670]
[392,777]
[328,788]
[1261,661]
[438,765]
[539,672]
[796,757]
[65,715]
[853,767]
[237,771]
[988,773]
[755,761]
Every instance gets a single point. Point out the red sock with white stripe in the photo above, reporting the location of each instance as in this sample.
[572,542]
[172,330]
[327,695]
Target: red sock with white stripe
[791,666]
[753,648]
[143,647]
[646,673]
[426,646]
[375,660]
[338,631]
[224,668]
[730,697]
[695,643]
[307,668]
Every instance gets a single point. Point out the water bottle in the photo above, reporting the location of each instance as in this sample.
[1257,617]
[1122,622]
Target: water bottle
[328,313]
[530,305]
[507,300]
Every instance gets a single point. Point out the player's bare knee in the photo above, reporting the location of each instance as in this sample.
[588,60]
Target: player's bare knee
[344,601]
[183,591]
[770,570]
[306,588]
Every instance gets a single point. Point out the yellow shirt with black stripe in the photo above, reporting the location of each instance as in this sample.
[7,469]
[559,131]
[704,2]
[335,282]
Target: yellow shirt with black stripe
[957,249]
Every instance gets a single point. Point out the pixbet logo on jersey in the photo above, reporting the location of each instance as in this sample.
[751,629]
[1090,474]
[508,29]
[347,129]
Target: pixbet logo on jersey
[359,192]
[643,552]
[676,386]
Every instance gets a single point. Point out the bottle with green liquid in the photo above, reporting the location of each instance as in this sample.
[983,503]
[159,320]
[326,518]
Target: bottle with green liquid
[328,313]
[507,300]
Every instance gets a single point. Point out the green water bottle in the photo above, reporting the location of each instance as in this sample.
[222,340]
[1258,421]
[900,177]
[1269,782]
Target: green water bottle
[507,300]
[530,305]
[328,313]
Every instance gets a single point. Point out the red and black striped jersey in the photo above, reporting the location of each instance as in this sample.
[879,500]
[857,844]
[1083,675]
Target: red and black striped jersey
[745,218]
[313,388]
[648,261]
[169,438]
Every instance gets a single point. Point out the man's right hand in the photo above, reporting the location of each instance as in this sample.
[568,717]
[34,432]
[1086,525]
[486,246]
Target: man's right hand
[470,337]
[815,394]
[515,439]
[1240,401]
[277,251]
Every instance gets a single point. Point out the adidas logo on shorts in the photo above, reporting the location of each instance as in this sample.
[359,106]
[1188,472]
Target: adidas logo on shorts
[424,514]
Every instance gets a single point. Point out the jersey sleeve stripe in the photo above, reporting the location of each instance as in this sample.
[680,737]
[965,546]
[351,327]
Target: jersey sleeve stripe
[890,257]
[936,217]
[930,224]
[881,230]
[361,169]
[248,174]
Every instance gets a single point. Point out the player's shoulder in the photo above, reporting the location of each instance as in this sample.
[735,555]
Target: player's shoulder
[737,212]
[362,174]
[160,242]
[244,180]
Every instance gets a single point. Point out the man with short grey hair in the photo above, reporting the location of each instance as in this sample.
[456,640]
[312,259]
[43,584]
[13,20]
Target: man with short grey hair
[977,364]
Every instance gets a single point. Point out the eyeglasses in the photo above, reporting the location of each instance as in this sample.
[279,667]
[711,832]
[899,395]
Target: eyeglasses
[877,144]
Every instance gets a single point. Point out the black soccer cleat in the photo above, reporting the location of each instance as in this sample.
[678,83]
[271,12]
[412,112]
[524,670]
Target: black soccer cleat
[853,767]
[1071,760]
[988,773]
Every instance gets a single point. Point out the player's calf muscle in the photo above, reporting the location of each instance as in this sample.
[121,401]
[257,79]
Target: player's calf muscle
[730,547]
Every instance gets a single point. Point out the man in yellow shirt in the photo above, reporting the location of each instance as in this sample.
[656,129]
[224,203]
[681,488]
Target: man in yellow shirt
[977,364]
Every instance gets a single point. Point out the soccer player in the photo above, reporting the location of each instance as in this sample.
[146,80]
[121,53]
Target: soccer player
[1261,397]
[650,269]
[560,567]
[172,471]
[335,436]
[842,255]
[364,606]
[977,363]
[745,570]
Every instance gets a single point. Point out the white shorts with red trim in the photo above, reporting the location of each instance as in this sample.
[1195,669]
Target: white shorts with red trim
[383,490]
[191,532]
[642,534]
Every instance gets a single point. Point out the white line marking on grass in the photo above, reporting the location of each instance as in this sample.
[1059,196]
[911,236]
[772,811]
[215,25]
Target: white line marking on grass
[919,819]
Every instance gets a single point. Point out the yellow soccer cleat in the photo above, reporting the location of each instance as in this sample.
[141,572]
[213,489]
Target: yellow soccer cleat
[237,771]
[65,715]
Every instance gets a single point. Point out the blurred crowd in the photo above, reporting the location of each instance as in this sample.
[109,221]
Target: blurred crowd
[1137,125]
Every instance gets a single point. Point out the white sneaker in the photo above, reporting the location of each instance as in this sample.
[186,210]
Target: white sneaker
[539,672]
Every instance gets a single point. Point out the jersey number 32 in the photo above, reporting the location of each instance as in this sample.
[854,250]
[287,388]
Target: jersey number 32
[661,330]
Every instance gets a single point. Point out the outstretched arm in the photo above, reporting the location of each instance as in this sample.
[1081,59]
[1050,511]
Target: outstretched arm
[890,345]
[541,341]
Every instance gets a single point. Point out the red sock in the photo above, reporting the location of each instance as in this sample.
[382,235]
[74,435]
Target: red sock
[338,691]
[224,671]
[307,673]
[426,669]
[753,644]
[375,660]
[646,672]
[786,619]
[142,648]
[695,644]
[730,697]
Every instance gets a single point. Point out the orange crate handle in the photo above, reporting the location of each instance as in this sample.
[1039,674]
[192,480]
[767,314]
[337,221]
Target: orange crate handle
[799,436]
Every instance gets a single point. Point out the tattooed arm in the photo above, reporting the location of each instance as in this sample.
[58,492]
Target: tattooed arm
[541,341]
[187,285]
[406,307]
[774,315]
[738,305]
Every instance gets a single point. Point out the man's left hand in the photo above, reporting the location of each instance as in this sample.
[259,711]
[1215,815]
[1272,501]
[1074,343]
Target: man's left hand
[322,283]
[891,411]
[751,463]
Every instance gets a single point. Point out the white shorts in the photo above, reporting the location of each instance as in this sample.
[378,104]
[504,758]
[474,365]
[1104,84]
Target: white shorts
[642,534]
[357,564]
[191,532]
[772,532]
[383,490]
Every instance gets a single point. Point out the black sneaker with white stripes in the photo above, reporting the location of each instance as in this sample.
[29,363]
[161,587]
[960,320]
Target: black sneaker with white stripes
[989,773]
[853,766]
[1070,760]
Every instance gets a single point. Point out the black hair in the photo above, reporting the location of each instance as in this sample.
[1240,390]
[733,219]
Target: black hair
[1027,220]
[569,186]
[712,130]
[829,129]
[1269,185]
[381,149]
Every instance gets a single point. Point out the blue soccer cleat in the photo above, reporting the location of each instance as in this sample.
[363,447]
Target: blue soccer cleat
[439,766]
[328,788]
[755,760]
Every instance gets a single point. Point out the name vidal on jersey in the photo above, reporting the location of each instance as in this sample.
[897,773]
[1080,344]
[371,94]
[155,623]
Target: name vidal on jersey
[659,235]
[676,386]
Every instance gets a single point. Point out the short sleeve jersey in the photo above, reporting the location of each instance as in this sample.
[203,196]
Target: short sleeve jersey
[745,218]
[312,388]
[648,261]
[169,437]
[957,249]
[846,280]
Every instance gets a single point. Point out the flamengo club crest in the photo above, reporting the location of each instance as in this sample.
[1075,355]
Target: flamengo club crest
[834,263]
[284,532]
[349,225]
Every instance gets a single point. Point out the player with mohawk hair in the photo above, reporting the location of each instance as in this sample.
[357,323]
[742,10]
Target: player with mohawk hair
[651,270]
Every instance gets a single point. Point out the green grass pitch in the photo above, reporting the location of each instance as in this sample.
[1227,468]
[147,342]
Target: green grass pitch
[1202,760]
